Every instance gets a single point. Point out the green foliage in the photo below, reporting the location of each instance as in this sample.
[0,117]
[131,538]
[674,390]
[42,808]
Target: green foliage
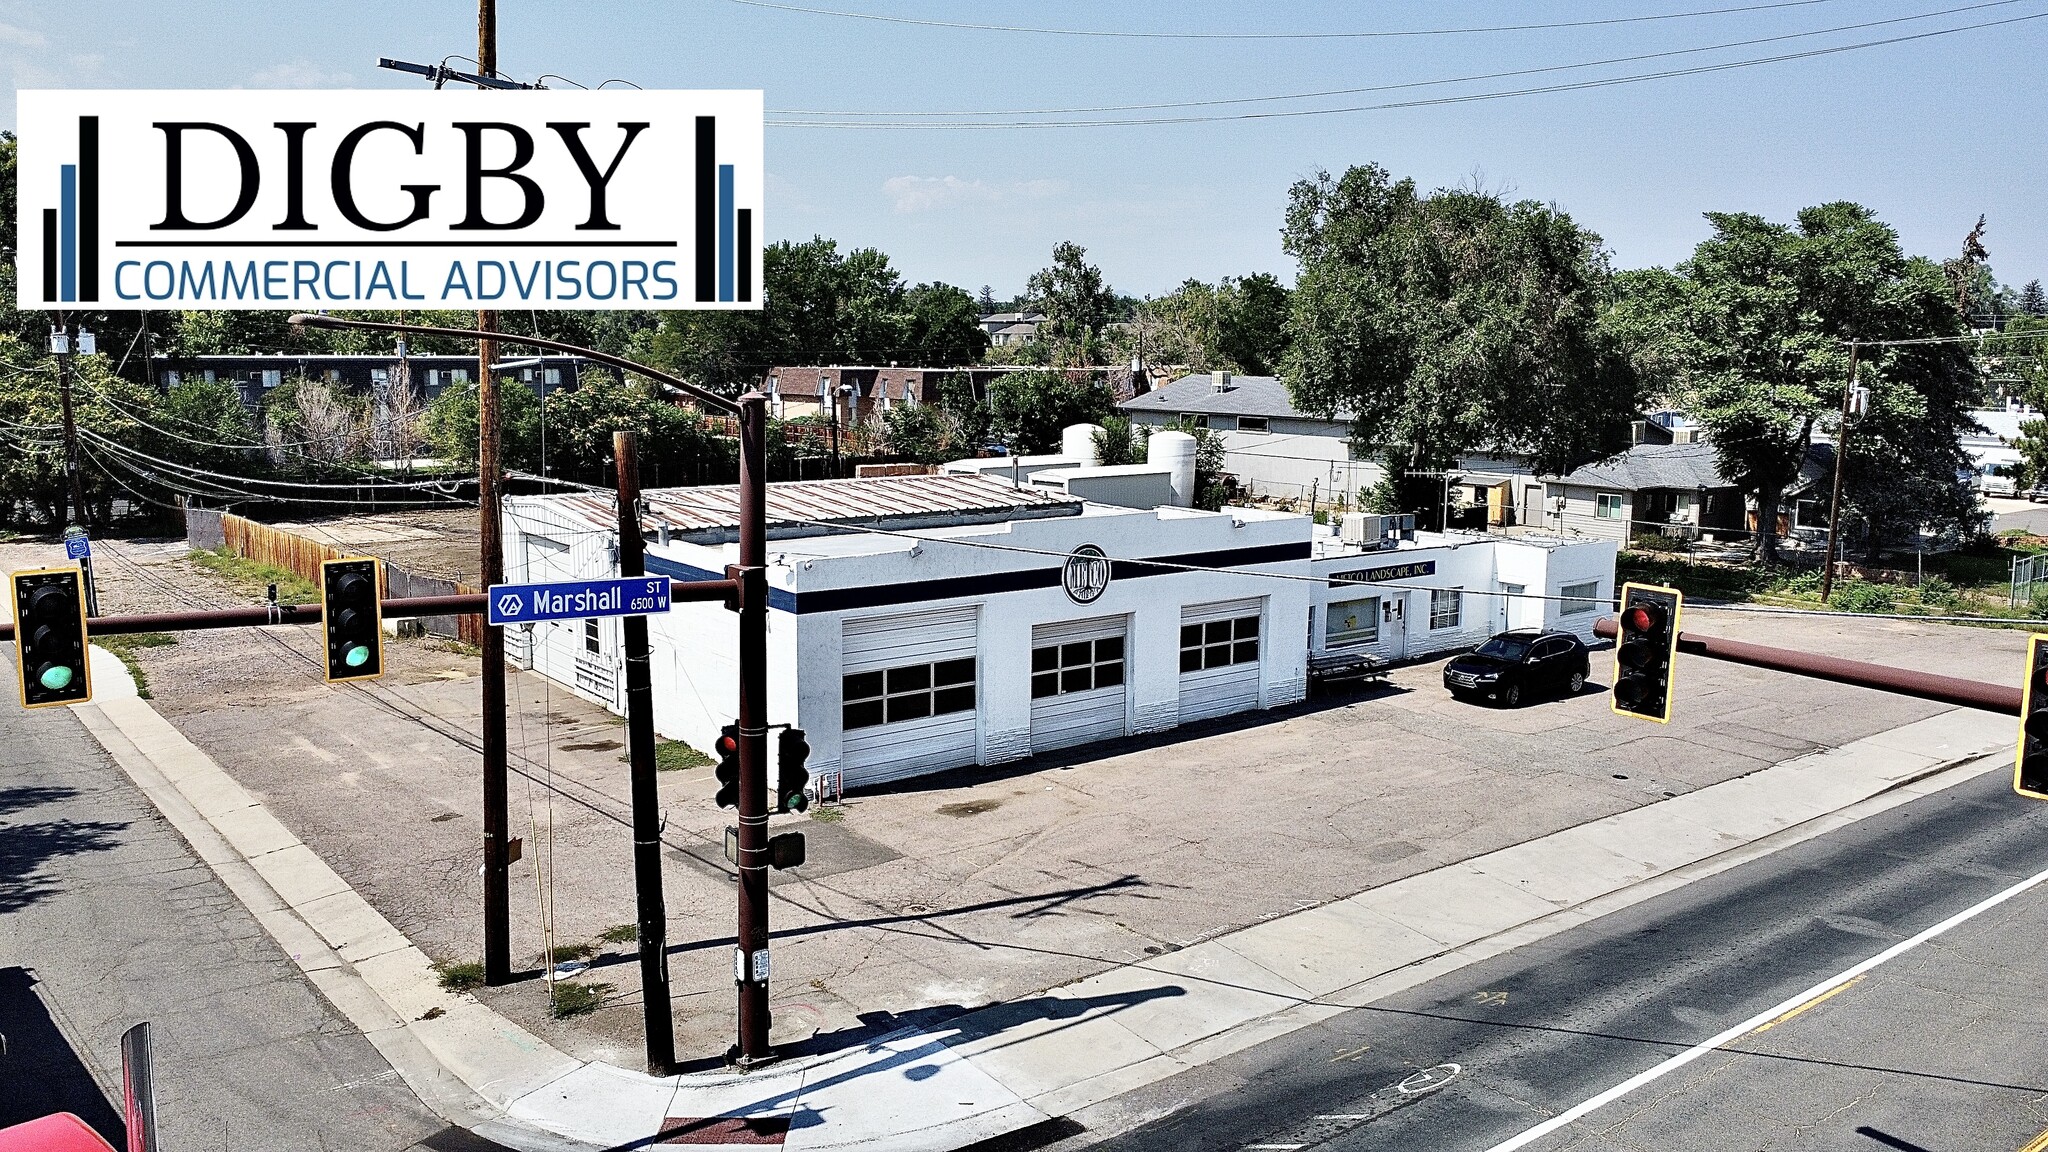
[1750,335]
[821,307]
[922,434]
[675,756]
[1863,596]
[449,424]
[1239,325]
[125,647]
[620,934]
[676,447]
[1939,595]
[253,579]
[566,998]
[1077,304]
[1118,443]
[1028,410]
[460,976]
[1450,323]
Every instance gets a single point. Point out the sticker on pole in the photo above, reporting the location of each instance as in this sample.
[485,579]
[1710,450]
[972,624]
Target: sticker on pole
[77,547]
[577,599]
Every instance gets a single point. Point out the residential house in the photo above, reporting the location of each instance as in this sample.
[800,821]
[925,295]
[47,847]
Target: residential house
[1007,328]
[1672,489]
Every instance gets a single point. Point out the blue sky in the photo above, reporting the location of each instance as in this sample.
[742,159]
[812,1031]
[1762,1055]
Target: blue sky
[1929,133]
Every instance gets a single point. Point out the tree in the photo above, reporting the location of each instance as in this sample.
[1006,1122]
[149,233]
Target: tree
[449,425]
[1449,323]
[1029,410]
[986,301]
[1117,442]
[2033,301]
[942,327]
[1757,351]
[676,447]
[921,434]
[1251,327]
[1076,302]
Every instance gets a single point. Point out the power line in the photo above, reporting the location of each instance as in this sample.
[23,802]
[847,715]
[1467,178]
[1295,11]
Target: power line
[1328,92]
[1370,35]
[1575,86]
[441,487]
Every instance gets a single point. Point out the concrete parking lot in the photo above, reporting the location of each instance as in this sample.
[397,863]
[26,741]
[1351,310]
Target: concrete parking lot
[974,886]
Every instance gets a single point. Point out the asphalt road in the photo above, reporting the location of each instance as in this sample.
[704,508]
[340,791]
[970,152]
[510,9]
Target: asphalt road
[1943,1047]
[106,919]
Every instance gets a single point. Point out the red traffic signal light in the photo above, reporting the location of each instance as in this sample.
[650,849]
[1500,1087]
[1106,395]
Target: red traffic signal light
[1646,645]
[728,771]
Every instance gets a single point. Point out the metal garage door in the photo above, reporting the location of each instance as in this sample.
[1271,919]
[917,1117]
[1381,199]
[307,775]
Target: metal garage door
[908,695]
[1078,683]
[1219,658]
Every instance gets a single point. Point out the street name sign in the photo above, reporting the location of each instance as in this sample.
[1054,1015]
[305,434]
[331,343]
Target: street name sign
[577,599]
[312,200]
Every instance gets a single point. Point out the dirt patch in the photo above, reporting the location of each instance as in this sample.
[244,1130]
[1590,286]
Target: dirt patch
[969,807]
[593,746]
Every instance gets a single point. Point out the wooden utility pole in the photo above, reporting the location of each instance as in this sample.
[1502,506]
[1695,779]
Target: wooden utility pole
[1827,572]
[490,470]
[656,1008]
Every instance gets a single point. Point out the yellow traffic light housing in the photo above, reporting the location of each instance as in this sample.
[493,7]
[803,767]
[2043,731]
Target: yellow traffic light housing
[1645,652]
[352,617]
[50,647]
[2030,761]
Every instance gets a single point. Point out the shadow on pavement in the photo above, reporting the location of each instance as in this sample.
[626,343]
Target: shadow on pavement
[41,1071]
[26,847]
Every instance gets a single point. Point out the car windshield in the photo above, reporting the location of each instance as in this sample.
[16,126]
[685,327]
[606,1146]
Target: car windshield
[1506,647]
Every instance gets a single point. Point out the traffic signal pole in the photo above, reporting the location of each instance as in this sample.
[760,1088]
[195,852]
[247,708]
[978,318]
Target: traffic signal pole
[656,1009]
[1884,678]
[750,965]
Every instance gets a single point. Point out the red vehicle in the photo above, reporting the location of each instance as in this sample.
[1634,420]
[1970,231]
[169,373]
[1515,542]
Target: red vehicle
[63,1132]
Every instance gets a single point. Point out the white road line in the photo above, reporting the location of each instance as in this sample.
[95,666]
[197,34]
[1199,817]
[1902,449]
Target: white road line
[1764,1017]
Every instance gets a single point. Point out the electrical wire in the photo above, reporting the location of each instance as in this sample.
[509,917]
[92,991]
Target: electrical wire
[1474,78]
[440,487]
[963,26]
[1285,114]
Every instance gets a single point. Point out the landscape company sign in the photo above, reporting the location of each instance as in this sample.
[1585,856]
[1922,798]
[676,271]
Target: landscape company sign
[1385,573]
[389,199]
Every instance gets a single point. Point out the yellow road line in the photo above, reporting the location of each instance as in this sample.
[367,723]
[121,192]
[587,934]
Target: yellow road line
[1816,1002]
[2037,1144]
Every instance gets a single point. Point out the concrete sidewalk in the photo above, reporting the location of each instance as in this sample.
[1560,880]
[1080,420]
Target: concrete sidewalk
[1070,1050]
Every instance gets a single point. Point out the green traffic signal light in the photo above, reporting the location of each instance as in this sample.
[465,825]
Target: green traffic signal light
[350,618]
[55,677]
[357,656]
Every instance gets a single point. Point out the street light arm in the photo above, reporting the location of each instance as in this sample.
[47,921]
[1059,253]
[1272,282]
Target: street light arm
[694,392]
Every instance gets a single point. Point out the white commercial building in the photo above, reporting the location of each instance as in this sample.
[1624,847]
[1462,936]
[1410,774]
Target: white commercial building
[918,623]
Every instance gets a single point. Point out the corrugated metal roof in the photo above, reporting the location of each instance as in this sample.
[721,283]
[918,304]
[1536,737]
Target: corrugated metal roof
[802,502]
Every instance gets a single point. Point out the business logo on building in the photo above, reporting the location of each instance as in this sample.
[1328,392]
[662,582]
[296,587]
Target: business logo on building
[380,199]
[1085,574]
[1385,573]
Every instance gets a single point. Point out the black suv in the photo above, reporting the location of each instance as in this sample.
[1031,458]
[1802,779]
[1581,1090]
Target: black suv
[1515,665]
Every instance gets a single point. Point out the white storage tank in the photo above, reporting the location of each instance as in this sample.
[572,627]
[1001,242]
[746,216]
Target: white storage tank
[1077,442]
[1175,451]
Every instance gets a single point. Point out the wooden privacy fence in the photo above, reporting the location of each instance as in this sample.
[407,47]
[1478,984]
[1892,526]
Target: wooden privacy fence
[264,544]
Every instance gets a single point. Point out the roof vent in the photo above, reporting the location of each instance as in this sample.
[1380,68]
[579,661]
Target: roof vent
[1219,381]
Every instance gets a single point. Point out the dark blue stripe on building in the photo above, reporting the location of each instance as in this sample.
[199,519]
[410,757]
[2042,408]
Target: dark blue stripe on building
[778,598]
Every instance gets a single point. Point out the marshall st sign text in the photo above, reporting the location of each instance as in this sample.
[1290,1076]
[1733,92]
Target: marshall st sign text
[577,599]
[380,199]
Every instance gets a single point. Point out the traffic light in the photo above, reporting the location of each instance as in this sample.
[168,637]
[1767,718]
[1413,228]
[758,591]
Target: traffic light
[791,777]
[49,637]
[728,770]
[353,619]
[1644,650]
[2030,763]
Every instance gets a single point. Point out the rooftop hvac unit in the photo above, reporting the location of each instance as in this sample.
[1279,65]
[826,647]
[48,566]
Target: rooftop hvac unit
[1370,531]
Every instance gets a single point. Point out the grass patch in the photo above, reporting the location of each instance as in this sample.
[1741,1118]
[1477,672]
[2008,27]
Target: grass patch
[254,579]
[567,952]
[620,934]
[568,999]
[674,756]
[828,813]
[125,647]
[460,976]
[1973,581]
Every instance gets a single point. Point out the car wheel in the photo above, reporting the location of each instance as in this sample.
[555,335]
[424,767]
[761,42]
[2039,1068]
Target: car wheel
[1573,686]
[1511,696]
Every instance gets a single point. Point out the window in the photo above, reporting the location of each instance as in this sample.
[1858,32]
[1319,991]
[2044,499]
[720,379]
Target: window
[1251,423]
[1352,622]
[1219,643]
[1607,505]
[1446,607]
[551,376]
[912,692]
[1579,599]
[1201,420]
[590,643]
[1078,666]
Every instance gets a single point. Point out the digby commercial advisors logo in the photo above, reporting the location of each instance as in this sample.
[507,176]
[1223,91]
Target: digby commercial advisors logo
[447,199]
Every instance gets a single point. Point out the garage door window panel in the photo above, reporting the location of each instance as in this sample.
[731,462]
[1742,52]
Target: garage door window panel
[1077,666]
[911,692]
[1219,643]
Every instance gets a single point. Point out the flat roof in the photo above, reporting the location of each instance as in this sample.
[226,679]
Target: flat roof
[930,500]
